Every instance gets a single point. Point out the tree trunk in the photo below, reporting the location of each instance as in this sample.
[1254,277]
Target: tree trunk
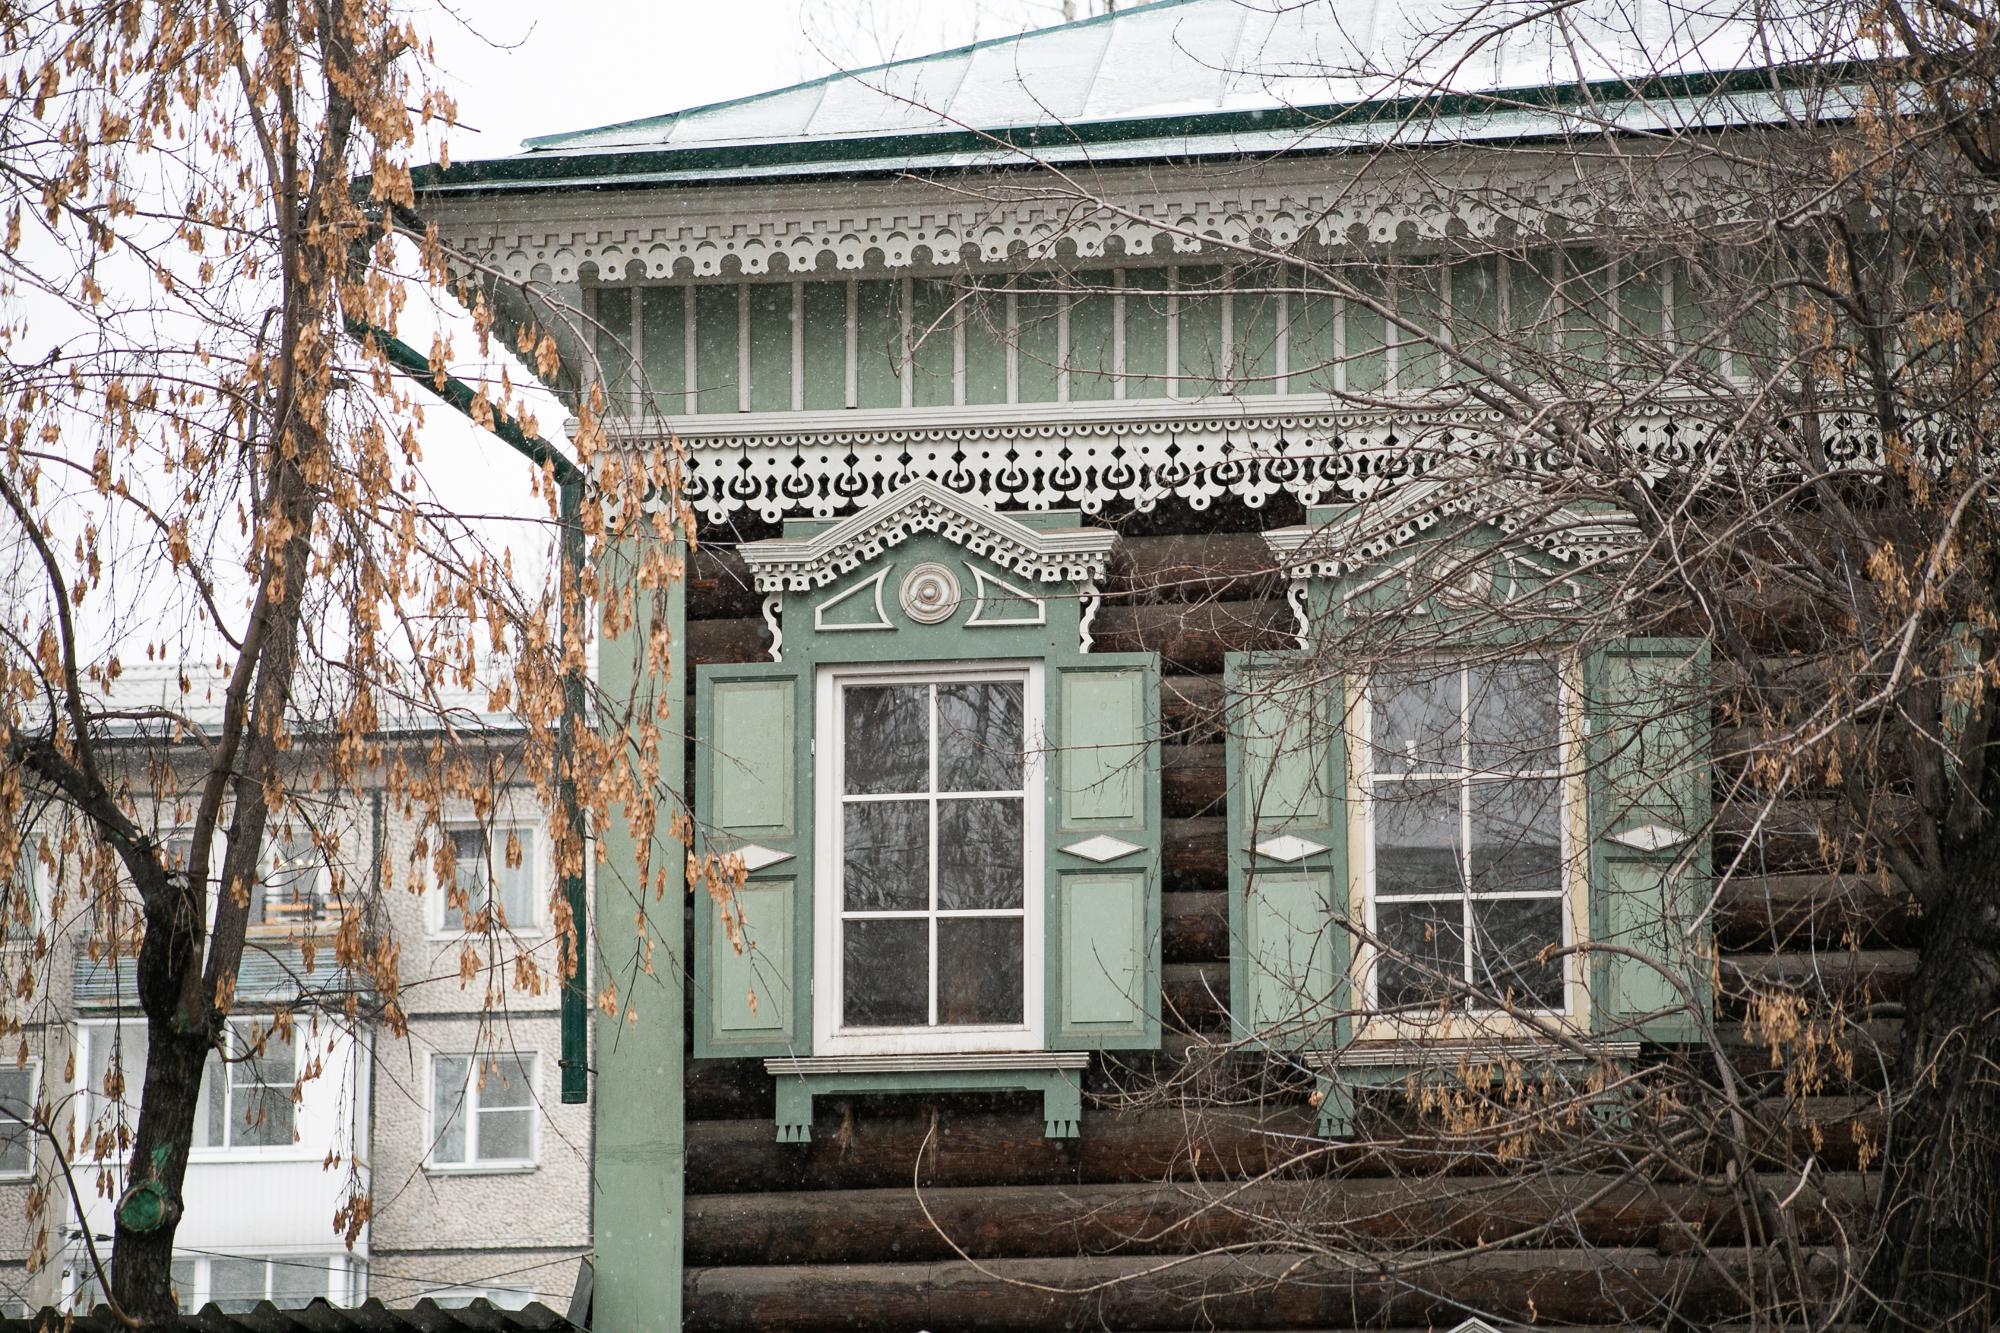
[150,1207]
[1939,1212]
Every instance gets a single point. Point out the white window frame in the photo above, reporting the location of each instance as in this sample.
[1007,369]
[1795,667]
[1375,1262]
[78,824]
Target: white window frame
[533,860]
[831,1038]
[33,1069]
[274,846]
[300,1146]
[348,1271]
[468,1106]
[1374,1025]
[91,1102]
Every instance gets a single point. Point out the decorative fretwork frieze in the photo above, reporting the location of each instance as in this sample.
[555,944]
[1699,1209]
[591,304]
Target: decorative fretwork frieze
[826,465]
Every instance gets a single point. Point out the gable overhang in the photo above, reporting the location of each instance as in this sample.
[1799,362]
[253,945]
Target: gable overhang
[1046,555]
[1362,535]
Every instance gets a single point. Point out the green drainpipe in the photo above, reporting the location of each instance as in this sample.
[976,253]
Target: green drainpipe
[569,505]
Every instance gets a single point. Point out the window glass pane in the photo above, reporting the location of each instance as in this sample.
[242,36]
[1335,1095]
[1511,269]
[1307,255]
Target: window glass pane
[236,1285]
[979,736]
[1417,847]
[1423,950]
[887,973]
[211,1112]
[505,1081]
[1415,722]
[885,856]
[1515,724]
[181,1274]
[979,970]
[261,1085]
[506,1135]
[514,886]
[888,739]
[17,1109]
[469,872]
[980,852]
[448,1094]
[19,908]
[295,1282]
[1510,934]
[291,888]
[116,1074]
[1516,835]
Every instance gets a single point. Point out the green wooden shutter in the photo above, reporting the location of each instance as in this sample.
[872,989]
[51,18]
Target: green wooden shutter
[1649,850]
[753,794]
[1288,873]
[1102,964]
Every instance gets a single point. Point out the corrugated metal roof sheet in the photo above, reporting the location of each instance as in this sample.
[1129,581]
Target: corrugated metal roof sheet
[1180,58]
[426,1316]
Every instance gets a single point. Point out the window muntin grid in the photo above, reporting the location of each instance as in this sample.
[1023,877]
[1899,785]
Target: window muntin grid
[1467,812]
[934,853]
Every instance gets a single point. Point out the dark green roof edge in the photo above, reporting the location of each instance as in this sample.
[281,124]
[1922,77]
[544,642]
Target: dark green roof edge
[556,140]
[533,170]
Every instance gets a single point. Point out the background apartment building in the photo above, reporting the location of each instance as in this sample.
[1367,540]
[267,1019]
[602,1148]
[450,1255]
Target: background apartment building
[472,1178]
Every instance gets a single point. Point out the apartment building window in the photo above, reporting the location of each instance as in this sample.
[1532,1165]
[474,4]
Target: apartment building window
[293,891]
[22,903]
[246,1092]
[113,1067]
[17,1120]
[495,880]
[483,1111]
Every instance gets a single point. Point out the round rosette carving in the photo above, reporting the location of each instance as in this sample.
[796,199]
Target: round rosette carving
[930,593]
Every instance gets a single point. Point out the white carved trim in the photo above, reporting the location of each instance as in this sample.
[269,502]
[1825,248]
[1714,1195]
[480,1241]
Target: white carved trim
[1103,848]
[1092,599]
[780,465]
[1055,555]
[1289,848]
[905,1064]
[774,606]
[981,581]
[756,857]
[873,584]
[1371,530]
[930,594]
[1295,597]
[1650,838]
[887,225]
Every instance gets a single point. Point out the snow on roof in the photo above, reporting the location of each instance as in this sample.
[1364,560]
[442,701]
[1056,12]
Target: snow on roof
[1183,58]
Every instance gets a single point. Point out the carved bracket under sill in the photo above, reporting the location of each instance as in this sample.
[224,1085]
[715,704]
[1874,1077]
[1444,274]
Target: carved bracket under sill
[1340,1073]
[1056,1075]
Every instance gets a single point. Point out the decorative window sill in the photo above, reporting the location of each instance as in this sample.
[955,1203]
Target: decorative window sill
[1057,1075]
[1385,1064]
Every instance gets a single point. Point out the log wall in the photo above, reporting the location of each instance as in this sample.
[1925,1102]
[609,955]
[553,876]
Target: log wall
[953,1212]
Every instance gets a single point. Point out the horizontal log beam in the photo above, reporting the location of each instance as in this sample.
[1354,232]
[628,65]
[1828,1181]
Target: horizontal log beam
[865,1226]
[873,1143]
[1243,1291]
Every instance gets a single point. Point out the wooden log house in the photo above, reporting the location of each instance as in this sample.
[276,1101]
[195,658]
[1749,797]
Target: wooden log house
[1028,509]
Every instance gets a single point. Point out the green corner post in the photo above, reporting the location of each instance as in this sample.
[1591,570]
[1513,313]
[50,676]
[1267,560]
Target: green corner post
[640,1129]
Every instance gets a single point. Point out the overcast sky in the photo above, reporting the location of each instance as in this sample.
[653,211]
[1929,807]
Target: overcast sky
[527,67]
